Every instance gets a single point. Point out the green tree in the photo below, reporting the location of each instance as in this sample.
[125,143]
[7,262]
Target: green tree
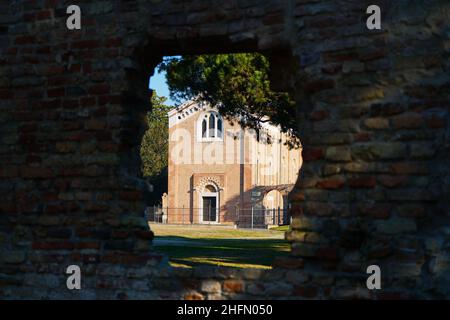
[154,148]
[237,84]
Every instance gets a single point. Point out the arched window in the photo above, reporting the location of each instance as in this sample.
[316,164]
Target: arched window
[204,128]
[219,128]
[210,126]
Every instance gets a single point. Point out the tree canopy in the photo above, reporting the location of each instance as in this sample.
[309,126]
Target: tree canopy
[237,84]
[154,147]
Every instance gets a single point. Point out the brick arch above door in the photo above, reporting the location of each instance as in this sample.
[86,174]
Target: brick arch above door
[202,180]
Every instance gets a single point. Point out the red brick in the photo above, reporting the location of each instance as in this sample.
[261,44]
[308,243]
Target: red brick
[100,112]
[319,115]
[72,125]
[74,68]
[131,195]
[11,51]
[54,208]
[95,124]
[362,182]
[25,40]
[373,54]
[54,93]
[435,122]
[321,22]
[111,258]
[108,146]
[43,15]
[275,18]
[99,89]
[409,168]
[377,211]
[79,136]
[319,85]
[8,207]
[234,286]
[340,56]
[27,50]
[8,171]
[332,68]
[408,120]
[87,68]
[148,235]
[193,296]
[305,292]
[50,104]
[327,253]
[70,104]
[36,172]
[332,183]
[33,159]
[289,263]
[53,246]
[51,70]
[96,207]
[85,44]
[411,210]
[311,154]
[58,81]
[87,245]
[28,127]
[392,181]
[29,17]
[6,94]
[43,50]
[132,259]
[87,101]
[296,210]
[118,234]
[361,137]
[113,42]
[27,139]
[112,99]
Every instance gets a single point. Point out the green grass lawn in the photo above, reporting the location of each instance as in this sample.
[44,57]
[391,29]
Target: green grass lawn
[188,246]
[280,228]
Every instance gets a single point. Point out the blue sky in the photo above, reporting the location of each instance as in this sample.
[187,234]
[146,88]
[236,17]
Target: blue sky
[158,83]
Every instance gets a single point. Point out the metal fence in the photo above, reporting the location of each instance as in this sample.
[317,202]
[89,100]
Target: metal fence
[262,217]
[242,218]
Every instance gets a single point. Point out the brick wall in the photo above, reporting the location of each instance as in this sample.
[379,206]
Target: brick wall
[372,112]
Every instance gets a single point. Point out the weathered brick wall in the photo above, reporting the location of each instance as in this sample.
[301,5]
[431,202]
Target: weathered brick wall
[375,121]
[372,109]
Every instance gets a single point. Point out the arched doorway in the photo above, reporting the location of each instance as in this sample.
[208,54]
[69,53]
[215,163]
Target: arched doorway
[209,204]
[275,208]
[273,200]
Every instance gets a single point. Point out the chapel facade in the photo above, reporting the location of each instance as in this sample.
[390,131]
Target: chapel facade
[220,173]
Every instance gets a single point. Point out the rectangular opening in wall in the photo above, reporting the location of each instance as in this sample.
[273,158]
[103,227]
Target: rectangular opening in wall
[221,159]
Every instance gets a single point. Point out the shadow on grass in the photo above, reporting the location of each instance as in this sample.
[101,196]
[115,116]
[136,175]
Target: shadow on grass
[240,253]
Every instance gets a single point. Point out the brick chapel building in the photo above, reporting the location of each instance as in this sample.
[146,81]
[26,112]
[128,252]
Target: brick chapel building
[221,173]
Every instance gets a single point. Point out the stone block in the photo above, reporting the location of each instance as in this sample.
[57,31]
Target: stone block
[408,120]
[338,154]
[210,286]
[377,123]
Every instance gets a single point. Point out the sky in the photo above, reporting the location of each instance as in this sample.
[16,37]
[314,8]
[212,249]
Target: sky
[158,83]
